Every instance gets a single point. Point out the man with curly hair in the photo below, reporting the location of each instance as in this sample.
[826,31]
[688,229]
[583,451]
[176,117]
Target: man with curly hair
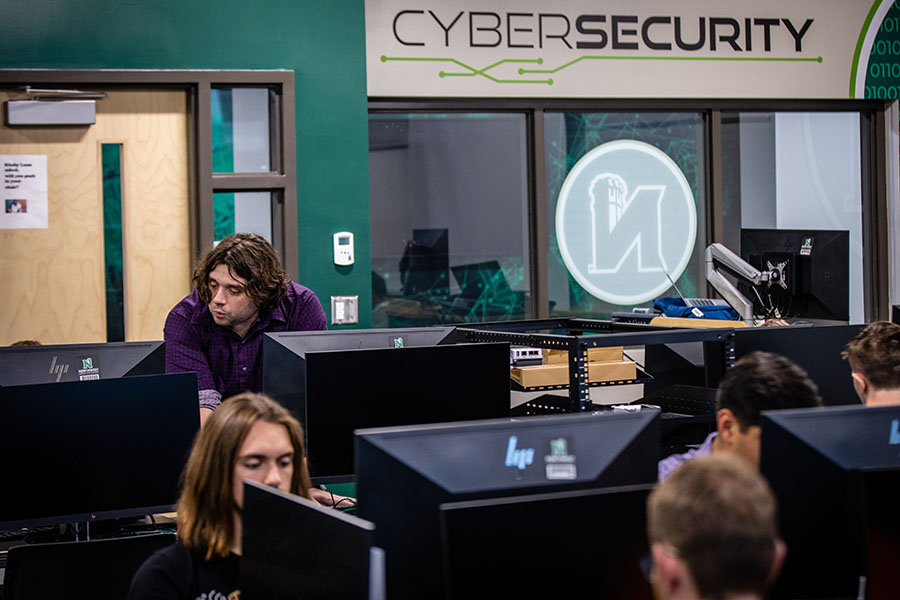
[241,291]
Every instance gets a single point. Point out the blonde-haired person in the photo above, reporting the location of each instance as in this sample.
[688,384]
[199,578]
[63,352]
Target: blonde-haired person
[249,437]
[713,532]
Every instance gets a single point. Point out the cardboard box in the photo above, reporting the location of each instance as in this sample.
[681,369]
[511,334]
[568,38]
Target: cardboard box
[558,375]
[602,354]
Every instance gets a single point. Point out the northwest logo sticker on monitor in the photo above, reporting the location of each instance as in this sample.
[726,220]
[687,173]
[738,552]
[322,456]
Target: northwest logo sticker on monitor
[626,222]
[89,369]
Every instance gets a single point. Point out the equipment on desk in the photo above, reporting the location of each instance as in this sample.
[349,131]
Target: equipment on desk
[334,392]
[93,450]
[405,473]
[719,258]
[24,365]
[836,474]
[294,548]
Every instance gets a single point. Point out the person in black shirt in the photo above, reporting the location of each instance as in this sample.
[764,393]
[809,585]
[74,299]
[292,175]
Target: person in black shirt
[249,437]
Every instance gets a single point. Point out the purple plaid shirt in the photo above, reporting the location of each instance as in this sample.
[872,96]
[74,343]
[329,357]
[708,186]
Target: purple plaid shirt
[225,363]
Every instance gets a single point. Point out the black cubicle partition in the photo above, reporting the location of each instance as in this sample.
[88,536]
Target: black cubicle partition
[24,365]
[405,473]
[93,450]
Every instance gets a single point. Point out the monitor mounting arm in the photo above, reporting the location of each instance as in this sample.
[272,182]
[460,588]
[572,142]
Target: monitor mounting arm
[719,258]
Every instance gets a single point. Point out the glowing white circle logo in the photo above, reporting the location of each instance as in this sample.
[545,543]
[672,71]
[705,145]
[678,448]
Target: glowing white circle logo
[626,222]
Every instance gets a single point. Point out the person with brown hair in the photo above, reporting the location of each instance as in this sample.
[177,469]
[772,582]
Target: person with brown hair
[249,438]
[241,292]
[758,381]
[713,532]
[874,357]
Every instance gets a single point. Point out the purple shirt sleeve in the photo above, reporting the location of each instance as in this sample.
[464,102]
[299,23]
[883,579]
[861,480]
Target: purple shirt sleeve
[185,354]
[667,466]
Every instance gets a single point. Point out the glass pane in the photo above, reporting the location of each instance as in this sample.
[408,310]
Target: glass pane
[246,212]
[449,214]
[626,200]
[111,156]
[799,172]
[240,130]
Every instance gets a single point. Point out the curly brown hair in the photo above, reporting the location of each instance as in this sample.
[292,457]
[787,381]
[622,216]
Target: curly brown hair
[250,257]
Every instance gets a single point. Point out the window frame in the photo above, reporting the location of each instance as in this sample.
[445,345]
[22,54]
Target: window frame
[876,119]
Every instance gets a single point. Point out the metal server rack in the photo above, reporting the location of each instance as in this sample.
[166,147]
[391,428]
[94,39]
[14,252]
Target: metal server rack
[528,333]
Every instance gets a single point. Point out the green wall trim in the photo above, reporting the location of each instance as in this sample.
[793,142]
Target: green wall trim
[322,42]
[111,159]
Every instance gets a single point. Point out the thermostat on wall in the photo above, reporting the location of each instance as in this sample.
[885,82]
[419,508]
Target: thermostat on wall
[343,248]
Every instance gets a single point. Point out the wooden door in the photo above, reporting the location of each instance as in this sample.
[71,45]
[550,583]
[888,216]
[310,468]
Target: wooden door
[52,281]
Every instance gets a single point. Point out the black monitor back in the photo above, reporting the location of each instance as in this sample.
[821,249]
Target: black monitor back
[294,548]
[815,348]
[284,354]
[547,545]
[405,473]
[91,450]
[425,263]
[820,464]
[352,389]
[24,365]
[817,275]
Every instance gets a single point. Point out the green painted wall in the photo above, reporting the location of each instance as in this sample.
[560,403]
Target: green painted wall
[322,42]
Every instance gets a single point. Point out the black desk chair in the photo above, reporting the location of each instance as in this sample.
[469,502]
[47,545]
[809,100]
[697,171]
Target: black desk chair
[96,569]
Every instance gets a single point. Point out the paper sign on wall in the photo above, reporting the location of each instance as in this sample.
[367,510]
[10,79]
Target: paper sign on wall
[23,199]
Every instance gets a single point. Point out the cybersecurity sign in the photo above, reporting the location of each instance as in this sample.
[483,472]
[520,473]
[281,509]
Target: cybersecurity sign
[626,222]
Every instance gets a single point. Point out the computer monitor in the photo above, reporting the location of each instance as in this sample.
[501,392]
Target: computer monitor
[537,545]
[405,473]
[284,354]
[816,275]
[895,314]
[23,365]
[425,263]
[815,348]
[823,465]
[294,548]
[334,392]
[94,450]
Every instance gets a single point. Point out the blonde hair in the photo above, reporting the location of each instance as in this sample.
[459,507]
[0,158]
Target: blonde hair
[206,504]
[719,516]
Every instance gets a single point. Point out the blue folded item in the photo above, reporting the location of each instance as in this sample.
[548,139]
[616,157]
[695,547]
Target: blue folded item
[675,307]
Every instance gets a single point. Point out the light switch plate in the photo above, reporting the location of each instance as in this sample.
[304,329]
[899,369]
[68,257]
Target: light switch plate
[344,310]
